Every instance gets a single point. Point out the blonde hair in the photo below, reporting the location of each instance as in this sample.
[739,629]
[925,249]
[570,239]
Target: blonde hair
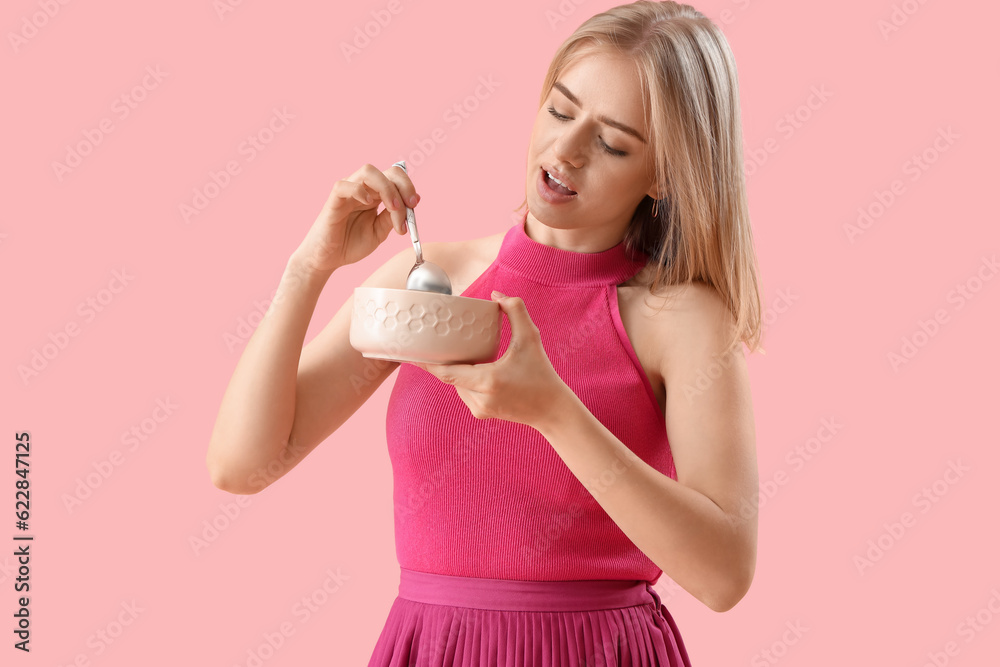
[700,229]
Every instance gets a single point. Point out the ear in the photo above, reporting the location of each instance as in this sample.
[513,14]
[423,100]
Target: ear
[655,192]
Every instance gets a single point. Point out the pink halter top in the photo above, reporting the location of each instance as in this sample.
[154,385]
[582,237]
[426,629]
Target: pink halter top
[491,498]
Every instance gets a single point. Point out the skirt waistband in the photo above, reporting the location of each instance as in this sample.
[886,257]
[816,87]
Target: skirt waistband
[514,595]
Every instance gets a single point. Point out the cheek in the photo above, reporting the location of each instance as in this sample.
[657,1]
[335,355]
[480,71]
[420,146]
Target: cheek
[625,183]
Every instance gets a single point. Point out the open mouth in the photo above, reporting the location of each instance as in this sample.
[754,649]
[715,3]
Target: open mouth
[555,185]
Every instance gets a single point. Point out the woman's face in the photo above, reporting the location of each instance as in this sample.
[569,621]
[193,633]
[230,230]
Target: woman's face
[578,133]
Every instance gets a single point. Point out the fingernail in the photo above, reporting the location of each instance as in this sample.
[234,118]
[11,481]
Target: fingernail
[413,201]
[395,202]
[498,295]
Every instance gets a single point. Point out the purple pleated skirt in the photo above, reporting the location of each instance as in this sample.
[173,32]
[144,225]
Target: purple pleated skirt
[439,620]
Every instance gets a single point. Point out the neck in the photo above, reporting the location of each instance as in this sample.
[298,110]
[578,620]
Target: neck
[575,239]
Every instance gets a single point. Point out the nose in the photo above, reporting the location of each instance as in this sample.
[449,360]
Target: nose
[570,145]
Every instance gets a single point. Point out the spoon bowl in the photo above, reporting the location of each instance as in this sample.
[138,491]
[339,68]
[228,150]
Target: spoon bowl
[428,277]
[424,276]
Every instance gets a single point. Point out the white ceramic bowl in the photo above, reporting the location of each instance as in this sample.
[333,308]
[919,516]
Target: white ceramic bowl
[413,325]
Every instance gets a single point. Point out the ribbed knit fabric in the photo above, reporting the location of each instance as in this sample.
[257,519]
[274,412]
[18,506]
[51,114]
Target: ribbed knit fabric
[491,498]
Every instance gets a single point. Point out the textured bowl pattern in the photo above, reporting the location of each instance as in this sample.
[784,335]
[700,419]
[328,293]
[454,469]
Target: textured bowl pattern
[417,317]
[388,324]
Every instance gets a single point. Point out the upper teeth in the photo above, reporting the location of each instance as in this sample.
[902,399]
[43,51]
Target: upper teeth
[558,181]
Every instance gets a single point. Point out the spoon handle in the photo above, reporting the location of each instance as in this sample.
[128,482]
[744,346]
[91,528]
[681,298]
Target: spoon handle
[411,221]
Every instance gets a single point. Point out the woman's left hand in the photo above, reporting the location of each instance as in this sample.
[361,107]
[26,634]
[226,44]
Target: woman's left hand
[521,386]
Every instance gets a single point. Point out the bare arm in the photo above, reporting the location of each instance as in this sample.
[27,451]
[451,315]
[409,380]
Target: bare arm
[283,399]
[713,442]
[701,529]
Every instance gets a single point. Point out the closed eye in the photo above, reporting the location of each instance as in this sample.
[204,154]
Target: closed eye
[608,149]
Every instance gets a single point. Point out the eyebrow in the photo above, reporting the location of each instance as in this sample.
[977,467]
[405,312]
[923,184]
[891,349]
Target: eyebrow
[604,119]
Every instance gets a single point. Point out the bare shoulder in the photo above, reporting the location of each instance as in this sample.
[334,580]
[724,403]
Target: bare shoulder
[678,322]
[465,260]
[455,250]
[694,301]
[678,306]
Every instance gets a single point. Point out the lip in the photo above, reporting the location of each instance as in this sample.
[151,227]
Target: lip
[562,177]
[549,195]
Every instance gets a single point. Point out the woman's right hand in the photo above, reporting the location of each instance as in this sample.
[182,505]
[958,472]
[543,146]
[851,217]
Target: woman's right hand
[348,229]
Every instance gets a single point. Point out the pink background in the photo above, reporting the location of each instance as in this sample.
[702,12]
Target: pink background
[837,309]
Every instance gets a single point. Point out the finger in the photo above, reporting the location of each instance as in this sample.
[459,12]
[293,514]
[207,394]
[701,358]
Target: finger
[405,187]
[350,193]
[364,195]
[355,189]
[387,191]
[382,226]
[430,368]
[463,375]
[521,324]
[403,183]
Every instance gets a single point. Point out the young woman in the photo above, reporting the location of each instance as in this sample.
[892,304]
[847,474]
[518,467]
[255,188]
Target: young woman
[538,497]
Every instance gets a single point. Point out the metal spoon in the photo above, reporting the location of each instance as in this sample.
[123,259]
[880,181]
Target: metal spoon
[424,276]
